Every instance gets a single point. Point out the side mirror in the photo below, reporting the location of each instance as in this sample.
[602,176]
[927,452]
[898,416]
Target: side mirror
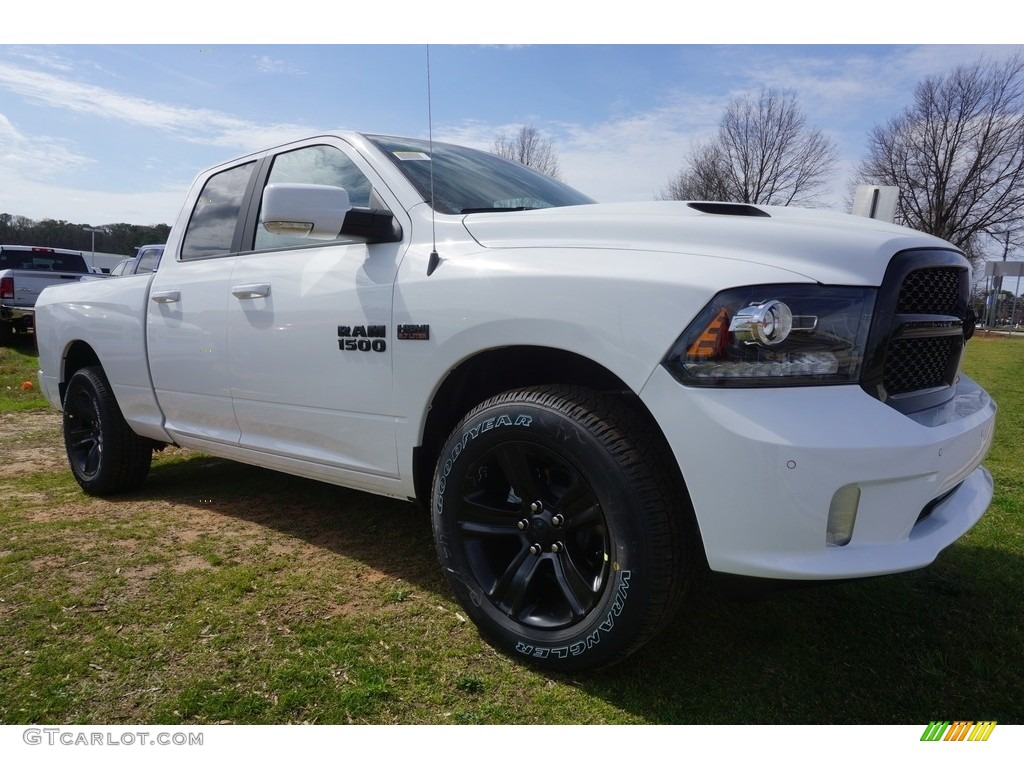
[322,212]
[316,211]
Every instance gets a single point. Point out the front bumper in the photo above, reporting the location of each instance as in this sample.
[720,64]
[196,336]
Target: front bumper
[762,467]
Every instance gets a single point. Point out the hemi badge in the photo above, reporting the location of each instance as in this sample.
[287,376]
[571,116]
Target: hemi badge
[414,332]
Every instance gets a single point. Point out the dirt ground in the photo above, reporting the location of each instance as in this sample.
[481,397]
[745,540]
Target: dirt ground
[30,441]
[241,508]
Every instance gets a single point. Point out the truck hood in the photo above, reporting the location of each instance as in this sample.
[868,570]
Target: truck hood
[824,246]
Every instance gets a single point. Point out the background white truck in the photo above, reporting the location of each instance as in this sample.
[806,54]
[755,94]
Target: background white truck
[146,259]
[24,271]
[595,401]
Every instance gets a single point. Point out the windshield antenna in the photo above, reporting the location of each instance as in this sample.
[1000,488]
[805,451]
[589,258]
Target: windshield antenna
[434,258]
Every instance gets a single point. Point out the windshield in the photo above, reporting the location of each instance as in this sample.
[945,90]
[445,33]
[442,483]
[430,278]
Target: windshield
[470,181]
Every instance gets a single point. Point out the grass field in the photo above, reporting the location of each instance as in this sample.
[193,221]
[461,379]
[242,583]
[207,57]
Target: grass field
[223,593]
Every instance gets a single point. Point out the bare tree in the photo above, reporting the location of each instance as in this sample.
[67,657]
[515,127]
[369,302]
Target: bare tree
[764,153]
[704,179]
[529,148]
[957,155]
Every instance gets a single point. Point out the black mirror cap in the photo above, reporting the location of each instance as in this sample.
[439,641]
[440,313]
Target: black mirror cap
[372,225]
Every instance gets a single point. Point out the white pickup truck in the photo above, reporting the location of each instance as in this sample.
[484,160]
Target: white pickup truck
[596,402]
[25,270]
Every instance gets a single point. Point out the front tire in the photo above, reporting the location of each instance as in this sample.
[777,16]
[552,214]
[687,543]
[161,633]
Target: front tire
[562,526]
[105,455]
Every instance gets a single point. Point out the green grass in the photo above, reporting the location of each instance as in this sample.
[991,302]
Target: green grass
[19,371]
[224,593]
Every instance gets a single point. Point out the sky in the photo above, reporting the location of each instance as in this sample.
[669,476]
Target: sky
[115,131]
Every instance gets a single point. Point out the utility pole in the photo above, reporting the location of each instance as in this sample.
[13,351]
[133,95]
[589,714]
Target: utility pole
[92,264]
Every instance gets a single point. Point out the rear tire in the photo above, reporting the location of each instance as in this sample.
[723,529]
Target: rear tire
[106,457]
[562,526]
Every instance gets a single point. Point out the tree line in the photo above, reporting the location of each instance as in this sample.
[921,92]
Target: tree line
[57,233]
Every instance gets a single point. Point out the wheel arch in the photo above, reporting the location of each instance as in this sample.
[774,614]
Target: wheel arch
[493,371]
[78,355]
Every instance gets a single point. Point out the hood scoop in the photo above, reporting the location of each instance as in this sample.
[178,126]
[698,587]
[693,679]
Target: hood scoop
[728,209]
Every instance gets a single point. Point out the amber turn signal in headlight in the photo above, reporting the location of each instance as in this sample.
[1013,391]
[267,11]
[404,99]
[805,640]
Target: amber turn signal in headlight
[775,335]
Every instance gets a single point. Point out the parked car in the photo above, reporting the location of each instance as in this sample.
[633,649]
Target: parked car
[118,269]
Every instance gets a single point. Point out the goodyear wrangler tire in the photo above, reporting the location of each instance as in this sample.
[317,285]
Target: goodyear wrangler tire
[562,530]
[106,457]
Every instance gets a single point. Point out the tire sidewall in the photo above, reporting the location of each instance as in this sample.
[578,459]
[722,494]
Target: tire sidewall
[84,381]
[608,630]
[123,462]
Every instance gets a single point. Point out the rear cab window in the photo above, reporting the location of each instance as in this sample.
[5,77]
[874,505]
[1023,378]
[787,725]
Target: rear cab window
[42,260]
[214,223]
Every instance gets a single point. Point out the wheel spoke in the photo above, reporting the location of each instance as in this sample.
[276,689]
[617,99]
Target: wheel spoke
[514,460]
[478,515]
[588,517]
[92,459]
[511,587]
[578,495]
[81,439]
[577,590]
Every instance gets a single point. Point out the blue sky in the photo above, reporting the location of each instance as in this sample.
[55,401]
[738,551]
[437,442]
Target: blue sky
[112,132]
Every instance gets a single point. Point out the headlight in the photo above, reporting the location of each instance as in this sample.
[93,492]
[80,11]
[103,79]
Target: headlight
[775,335]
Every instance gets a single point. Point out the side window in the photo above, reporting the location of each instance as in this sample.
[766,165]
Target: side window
[212,226]
[314,165]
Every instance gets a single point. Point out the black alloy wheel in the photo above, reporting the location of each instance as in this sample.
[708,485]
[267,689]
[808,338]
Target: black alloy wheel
[562,525]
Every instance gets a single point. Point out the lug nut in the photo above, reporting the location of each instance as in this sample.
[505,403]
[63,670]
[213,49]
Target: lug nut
[556,547]
[557,520]
[535,549]
[522,525]
[536,507]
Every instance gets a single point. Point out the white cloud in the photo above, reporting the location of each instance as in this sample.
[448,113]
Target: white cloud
[34,169]
[205,126]
[37,157]
[48,60]
[276,66]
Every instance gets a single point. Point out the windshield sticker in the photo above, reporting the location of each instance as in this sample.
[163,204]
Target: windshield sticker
[411,155]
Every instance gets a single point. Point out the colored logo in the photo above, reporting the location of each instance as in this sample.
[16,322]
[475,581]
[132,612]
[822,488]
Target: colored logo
[960,730]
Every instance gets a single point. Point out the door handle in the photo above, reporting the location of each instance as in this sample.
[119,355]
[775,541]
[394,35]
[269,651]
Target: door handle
[165,297]
[251,291]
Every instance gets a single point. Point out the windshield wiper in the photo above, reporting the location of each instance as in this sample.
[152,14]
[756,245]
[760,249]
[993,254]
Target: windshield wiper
[498,210]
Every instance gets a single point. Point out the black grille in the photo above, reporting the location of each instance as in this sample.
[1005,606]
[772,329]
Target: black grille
[930,292]
[913,364]
[917,332]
